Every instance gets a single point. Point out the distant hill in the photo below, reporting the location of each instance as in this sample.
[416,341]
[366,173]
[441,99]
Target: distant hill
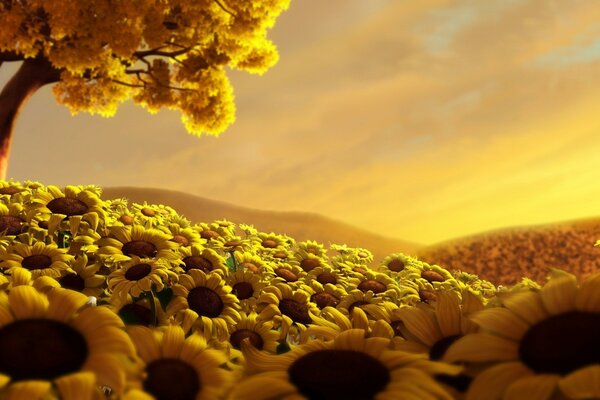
[299,225]
[503,256]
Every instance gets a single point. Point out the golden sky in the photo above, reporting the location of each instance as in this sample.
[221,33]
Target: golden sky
[420,120]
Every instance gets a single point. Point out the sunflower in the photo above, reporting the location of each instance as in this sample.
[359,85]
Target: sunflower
[77,202]
[286,307]
[211,231]
[13,219]
[84,278]
[139,275]
[310,247]
[484,288]
[395,263]
[20,276]
[269,243]
[253,263]
[176,367]
[152,215]
[324,295]
[347,367]
[285,273]
[357,298]
[246,286]
[228,244]
[201,299]
[438,277]
[183,236]
[380,284]
[138,312]
[201,258]
[258,331]
[124,242]
[541,344]
[308,261]
[38,257]
[88,345]
[323,275]
[13,192]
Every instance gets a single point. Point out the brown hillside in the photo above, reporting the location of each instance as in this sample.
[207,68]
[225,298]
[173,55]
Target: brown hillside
[301,226]
[503,256]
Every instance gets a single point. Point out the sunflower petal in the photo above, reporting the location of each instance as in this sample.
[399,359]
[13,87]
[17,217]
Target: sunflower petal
[527,305]
[172,342]
[64,303]
[558,295]
[448,313]
[26,302]
[421,324]
[263,387]
[492,382]
[28,390]
[78,386]
[481,347]
[532,387]
[502,322]
[145,342]
[588,297]
[582,384]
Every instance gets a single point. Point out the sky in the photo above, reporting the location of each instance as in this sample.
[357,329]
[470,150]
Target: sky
[418,120]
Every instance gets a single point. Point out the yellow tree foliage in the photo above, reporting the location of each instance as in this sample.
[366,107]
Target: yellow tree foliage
[159,53]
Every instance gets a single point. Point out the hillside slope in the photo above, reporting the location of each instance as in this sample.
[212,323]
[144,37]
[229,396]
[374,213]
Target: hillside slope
[299,225]
[503,256]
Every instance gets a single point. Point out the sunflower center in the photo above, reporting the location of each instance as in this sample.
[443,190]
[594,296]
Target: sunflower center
[233,243]
[171,379]
[40,349]
[439,348]
[308,264]
[136,314]
[362,254]
[338,374]
[9,190]
[126,219]
[205,302]
[396,265]
[73,282]
[209,234]
[250,266]
[242,290]
[11,223]
[269,243]
[36,261]
[562,343]
[138,271]
[286,274]
[140,248]
[432,276]
[459,382]
[427,295]
[324,299]
[255,339]
[148,212]
[296,311]
[182,240]
[43,224]
[280,254]
[359,270]
[326,277]
[372,285]
[67,206]
[197,262]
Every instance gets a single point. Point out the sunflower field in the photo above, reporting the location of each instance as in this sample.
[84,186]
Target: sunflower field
[103,299]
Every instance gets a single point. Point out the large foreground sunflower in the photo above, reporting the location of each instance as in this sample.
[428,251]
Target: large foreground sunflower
[541,344]
[348,367]
[54,345]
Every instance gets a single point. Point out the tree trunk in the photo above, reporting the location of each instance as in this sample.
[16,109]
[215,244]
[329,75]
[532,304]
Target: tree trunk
[33,74]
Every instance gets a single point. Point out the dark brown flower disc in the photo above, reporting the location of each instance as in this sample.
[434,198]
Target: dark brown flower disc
[562,343]
[396,265]
[148,212]
[357,304]
[362,254]
[36,261]
[11,224]
[372,285]
[359,270]
[296,311]
[308,264]
[324,299]
[182,240]
[242,290]
[326,277]
[10,190]
[138,271]
[233,243]
[432,276]
[43,224]
[437,351]
[209,234]
[171,379]
[269,243]
[67,206]
[126,219]
[280,254]
[197,262]
[140,248]
[255,339]
[286,274]
[427,295]
[338,374]
[205,302]
[40,349]
[137,314]
[313,251]
[249,266]
[73,282]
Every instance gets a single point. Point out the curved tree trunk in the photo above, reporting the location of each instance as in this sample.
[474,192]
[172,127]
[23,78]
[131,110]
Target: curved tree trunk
[33,74]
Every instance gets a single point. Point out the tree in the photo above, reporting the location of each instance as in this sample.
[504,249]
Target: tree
[159,53]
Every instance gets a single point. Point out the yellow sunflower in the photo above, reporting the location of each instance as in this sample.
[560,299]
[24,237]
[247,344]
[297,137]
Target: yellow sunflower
[310,247]
[13,192]
[88,346]
[151,215]
[324,295]
[176,367]
[200,299]
[183,236]
[380,284]
[13,219]
[38,257]
[541,344]
[246,286]
[228,244]
[139,275]
[440,278]
[268,243]
[211,231]
[348,367]
[323,275]
[20,276]
[201,258]
[252,262]
[357,298]
[139,312]
[308,261]
[258,331]
[123,242]
[285,273]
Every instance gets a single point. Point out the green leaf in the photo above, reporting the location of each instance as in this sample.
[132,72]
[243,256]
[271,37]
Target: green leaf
[164,297]
[64,239]
[231,263]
